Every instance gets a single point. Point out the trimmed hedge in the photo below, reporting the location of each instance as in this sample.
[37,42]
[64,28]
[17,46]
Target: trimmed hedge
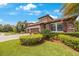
[70,41]
[31,39]
[75,34]
[47,34]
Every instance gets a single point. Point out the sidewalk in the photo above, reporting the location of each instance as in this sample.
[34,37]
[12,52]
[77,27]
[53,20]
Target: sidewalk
[10,37]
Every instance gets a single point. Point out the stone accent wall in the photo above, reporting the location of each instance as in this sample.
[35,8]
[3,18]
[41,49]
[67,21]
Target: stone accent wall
[64,26]
[42,27]
[48,26]
[33,29]
[68,26]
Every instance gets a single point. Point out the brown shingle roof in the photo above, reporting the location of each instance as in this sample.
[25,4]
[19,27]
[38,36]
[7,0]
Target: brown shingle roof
[46,16]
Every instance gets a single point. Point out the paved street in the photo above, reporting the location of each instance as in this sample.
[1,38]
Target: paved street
[10,37]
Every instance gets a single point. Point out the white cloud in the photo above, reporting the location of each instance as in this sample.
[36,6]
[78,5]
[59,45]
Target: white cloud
[56,10]
[35,12]
[55,17]
[27,7]
[1,20]
[20,7]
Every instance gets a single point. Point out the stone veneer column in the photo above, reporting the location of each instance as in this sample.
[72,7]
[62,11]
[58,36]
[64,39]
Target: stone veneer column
[65,26]
[48,26]
[42,27]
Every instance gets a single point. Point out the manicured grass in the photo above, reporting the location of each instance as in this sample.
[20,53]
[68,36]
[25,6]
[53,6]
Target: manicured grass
[13,48]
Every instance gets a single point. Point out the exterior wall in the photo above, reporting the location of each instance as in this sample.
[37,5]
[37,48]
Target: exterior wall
[48,26]
[45,26]
[42,27]
[45,19]
[33,29]
[65,26]
[68,26]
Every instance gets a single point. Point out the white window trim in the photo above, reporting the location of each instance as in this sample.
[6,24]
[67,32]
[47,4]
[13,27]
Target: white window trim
[56,27]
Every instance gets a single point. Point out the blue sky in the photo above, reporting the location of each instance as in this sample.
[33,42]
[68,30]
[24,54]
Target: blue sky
[13,12]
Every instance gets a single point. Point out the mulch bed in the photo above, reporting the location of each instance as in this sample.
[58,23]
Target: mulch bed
[77,49]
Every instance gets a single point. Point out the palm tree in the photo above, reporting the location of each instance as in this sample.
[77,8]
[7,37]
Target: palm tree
[70,8]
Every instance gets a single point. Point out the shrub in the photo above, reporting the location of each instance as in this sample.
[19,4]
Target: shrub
[47,34]
[70,41]
[31,39]
[75,34]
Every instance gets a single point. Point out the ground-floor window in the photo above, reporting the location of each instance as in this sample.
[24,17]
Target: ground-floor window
[53,27]
[57,27]
[60,27]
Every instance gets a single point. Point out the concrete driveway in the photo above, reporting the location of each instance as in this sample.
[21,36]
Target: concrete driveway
[10,37]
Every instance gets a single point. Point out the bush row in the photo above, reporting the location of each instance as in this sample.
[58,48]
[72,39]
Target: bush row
[31,39]
[36,38]
[75,34]
[70,41]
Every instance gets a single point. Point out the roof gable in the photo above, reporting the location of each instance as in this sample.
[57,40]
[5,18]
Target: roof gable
[45,18]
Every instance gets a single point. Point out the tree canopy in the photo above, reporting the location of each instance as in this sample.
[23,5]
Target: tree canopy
[70,8]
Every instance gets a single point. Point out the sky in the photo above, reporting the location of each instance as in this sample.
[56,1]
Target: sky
[11,13]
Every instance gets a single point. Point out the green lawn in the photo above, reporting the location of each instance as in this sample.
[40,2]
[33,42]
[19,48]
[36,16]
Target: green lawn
[13,48]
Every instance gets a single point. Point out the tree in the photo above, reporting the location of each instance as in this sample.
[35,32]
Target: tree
[21,26]
[24,26]
[70,8]
[7,28]
[18,26]
[14,29]
[1,27]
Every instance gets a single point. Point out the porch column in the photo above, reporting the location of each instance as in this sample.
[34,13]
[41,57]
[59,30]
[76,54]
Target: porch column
[56,27]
